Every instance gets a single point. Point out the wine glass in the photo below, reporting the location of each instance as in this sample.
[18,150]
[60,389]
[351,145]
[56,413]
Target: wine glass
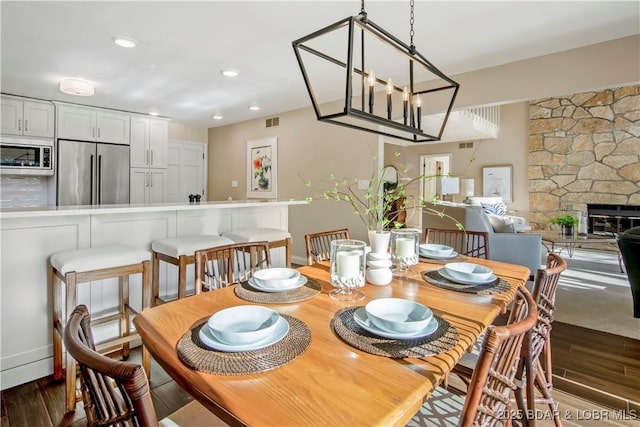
[347,269]
[404,250]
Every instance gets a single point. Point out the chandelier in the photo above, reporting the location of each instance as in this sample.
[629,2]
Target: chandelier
[360,76]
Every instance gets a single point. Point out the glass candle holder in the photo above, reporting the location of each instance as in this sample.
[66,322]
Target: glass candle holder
[348,263]
[404,250]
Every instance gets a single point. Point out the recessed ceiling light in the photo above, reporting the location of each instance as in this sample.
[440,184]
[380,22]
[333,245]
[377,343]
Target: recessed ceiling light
[254,108]
[77,87]
[124,41]
[217,117]
[153,113]
[230,72]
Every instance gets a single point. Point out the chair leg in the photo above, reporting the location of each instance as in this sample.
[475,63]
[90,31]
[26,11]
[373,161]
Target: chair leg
[56,305]
[288,252]
[70,363]
[182,276]
[155,292]
[146,291]
[125,322]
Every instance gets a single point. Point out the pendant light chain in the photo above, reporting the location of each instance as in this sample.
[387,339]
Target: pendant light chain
[411,19]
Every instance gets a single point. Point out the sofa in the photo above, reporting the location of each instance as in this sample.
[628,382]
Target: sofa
[508,244]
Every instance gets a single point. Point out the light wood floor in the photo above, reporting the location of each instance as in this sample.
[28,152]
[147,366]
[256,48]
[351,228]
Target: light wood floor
[41,402]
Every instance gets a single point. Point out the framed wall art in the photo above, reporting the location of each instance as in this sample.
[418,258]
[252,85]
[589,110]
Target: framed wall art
[262,167]
[496,181]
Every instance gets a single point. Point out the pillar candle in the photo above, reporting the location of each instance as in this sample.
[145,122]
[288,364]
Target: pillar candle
[348,264]
[405,247]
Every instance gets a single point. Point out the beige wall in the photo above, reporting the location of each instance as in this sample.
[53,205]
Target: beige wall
[182,132]
[310,150]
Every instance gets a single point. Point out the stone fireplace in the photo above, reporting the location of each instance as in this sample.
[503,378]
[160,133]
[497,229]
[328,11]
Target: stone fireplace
[583,149]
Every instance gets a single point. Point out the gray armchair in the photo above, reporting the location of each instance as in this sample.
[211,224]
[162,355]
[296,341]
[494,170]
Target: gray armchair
[514,248]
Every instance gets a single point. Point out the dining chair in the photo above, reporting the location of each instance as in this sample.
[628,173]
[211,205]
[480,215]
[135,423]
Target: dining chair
[535,370]
[487,402]
[225,265]
[319,244]
[116,392]
[469,243]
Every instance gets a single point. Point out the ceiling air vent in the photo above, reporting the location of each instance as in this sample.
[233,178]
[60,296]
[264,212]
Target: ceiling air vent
[463,145]
[275,121]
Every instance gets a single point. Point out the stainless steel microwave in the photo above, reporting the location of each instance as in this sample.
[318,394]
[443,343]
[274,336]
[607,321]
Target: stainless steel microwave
[19,156]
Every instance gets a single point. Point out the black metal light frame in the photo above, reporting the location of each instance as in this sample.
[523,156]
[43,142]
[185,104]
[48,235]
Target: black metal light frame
[364,24]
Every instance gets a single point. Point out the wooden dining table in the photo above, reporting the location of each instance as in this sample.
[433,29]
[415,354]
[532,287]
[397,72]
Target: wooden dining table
[331,383]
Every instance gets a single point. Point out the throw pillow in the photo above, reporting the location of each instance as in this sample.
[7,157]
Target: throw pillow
[499,209]
[501,224]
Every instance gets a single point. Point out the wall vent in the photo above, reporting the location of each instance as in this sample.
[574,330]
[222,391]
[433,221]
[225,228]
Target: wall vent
[275,121]
[464,145]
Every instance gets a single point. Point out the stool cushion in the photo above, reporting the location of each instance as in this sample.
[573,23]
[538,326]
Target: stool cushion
[98,258]
[187,245]
[246,235]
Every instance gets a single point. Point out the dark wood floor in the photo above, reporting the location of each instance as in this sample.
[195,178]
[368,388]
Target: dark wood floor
[591,365]
[599,366]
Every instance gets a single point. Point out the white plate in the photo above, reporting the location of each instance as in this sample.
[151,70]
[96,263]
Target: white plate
[426,254]
[281,330]
[301,281]
[360,316]
[444,273]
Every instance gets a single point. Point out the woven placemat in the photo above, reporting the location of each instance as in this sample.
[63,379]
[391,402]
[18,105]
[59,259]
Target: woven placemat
[310,289]
[496,287]
[443,339]
[457,258]
[201,358]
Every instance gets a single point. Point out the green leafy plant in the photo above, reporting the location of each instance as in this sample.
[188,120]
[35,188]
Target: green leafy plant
[376,206]
[564,220]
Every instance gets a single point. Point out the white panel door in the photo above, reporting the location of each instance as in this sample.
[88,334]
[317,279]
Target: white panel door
[186,171]
[38,119]
[11,116]
[113,127]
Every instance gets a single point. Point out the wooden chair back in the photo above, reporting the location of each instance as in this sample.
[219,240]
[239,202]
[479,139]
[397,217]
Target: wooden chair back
[225,265]
[544,293]
[113,392]
[469,243]
[493,380]
[319,244]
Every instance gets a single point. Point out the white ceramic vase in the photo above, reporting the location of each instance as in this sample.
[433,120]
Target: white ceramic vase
[379,240]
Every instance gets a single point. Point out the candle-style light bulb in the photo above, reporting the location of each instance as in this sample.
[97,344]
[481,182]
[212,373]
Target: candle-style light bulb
[389,92]
[405,104]
[372,84]
[419,111]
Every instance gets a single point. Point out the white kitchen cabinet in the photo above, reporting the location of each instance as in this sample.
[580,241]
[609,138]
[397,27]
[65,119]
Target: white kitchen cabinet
[147,185]
[92,124]
[149,139]
[27,117]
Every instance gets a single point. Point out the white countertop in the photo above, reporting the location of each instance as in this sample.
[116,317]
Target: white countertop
[44,211]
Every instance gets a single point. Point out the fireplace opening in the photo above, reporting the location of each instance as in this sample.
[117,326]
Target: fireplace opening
[611,219]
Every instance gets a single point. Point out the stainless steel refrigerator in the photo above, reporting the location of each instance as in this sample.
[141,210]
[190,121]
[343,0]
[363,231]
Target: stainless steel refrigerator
[90,173]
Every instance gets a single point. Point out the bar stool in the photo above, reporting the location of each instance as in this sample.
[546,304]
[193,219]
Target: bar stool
[277,238]
[84,265]
[179,251]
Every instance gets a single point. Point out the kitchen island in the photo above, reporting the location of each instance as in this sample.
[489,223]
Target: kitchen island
[29,236]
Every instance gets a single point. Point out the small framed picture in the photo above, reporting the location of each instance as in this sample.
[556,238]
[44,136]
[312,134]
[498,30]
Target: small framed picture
[496,181]
[262,167]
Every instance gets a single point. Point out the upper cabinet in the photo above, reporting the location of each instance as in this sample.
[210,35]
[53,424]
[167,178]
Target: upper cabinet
[26,117]
[91,124]
[149,140]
